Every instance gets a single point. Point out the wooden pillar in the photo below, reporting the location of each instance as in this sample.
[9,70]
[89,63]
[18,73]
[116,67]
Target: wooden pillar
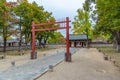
[70,43]
[82,44]
[68,54]
[74,44]
[33,40]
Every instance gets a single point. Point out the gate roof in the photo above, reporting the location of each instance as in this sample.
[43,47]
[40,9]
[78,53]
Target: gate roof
[77,37]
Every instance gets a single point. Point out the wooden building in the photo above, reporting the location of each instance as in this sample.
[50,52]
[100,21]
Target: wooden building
[78,40]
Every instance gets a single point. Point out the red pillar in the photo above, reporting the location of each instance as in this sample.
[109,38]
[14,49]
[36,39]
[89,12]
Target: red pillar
[33,40]
[67,55]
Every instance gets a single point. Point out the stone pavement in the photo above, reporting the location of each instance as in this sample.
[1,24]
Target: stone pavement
[87,64]
[34,68]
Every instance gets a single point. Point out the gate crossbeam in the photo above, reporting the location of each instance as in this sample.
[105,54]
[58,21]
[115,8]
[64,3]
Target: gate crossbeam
[46,29]
[49,23]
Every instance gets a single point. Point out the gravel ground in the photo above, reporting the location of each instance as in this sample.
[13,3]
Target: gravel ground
[87,64]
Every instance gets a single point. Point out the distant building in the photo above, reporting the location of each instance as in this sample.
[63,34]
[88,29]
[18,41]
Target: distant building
[78,40]
[10,43]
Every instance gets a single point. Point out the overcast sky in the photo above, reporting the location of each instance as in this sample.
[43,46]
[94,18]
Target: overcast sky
[60,8]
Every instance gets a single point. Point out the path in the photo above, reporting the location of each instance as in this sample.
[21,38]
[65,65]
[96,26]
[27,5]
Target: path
[33,68]
[87,64]
[20,60]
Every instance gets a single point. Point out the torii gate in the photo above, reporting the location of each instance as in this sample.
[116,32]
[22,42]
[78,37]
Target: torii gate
[67,54]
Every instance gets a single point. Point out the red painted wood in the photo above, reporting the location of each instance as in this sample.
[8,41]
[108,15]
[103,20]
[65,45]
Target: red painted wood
[49,23]
[33,40]
[68,55]
[46,29]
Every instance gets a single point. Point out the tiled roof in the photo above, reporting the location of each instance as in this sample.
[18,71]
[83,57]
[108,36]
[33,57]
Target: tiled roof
[10,41]
[77,37]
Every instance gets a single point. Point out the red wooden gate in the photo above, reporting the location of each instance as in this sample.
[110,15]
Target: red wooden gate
[67,54]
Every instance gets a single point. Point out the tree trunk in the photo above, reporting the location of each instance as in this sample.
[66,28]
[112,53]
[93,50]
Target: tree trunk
[118,41]
[20,39]
[4,39]
[117,37]
[4,49]
[118,48]
[114,43]
[87,37]
[87,41]
[26,41]
[40,39]
[45,40]
[40,43]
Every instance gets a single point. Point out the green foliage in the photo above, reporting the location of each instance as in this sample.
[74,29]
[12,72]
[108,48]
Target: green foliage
[5,21]
[108,19]
[107,14]
[29,12]
[2,10]
[56,38]
[82,22]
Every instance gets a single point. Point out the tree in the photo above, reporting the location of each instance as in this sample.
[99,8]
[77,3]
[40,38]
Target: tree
[30,12]
[57,38]
[5,22]
[108,19]
[44,35]
[82,23]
